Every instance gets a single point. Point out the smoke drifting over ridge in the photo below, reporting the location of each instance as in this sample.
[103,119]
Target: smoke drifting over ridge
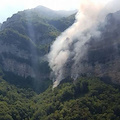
[71,46]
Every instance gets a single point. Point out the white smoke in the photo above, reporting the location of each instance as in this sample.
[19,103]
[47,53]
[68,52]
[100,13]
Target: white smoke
[71,44]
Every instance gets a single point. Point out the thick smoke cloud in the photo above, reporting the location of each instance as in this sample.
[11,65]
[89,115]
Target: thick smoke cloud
[70,48]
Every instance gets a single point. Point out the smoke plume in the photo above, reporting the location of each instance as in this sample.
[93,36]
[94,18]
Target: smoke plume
[70,47]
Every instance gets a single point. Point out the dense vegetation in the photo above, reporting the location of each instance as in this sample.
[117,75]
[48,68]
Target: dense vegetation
[86,99]
[83,99]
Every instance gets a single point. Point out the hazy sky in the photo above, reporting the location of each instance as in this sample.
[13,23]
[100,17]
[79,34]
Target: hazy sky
[9,7]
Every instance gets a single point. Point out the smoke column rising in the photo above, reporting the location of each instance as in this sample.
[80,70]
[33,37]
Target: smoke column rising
[71,44]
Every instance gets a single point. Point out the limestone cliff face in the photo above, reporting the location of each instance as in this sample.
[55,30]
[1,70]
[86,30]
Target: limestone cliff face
[20,60]
[14,57]
[13,49]
[18,68]
[23,43]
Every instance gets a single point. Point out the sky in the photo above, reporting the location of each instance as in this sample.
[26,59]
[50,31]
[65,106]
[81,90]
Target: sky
[9,7]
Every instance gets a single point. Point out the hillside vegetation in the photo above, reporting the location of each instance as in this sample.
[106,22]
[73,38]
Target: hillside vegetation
[25,39]
[83,99]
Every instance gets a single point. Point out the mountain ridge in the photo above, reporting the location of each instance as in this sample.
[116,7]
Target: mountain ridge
[25,38]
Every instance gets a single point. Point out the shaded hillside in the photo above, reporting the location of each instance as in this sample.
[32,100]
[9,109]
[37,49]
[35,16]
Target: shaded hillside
[63,23]
[41,29]
[19,59]
[24,40]
[32,25]
[104,52]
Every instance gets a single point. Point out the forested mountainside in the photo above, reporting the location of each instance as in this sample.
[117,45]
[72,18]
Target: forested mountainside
[24,40]
[26,91]
[85,99]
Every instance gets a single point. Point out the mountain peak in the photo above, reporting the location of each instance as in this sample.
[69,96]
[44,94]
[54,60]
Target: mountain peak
[43,8]
[54,13]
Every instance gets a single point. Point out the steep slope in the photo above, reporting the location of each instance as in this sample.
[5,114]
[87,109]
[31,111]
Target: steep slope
[13,52]
[41,29]
[24,40]
[32,25]
[101,53]
[19,59]
[104,52]
[63,23]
